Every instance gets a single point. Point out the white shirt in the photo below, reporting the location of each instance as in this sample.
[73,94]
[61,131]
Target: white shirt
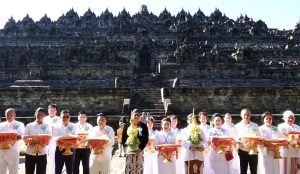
[290,151]
[14,126]
[108,132]
[53,122]
[162,137]
[36,128]
[242,130]
[176,131]
[206,128]
[83,128]
[64,130]
[229,127]
[152,133]
[284,127]
[216,132]
[269,132]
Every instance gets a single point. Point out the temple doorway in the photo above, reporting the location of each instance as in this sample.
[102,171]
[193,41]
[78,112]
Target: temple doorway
[145,61]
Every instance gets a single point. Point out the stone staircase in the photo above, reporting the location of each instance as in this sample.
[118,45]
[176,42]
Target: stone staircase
[147,80]
[148,100]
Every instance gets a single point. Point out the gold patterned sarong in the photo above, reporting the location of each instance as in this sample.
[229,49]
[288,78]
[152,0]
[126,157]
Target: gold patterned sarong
[193,167]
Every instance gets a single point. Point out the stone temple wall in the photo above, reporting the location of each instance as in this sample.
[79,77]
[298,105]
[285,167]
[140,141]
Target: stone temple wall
[93,101]
[232,99]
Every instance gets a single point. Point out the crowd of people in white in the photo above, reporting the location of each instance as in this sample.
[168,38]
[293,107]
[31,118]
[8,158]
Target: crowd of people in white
[212,162]
[149,159]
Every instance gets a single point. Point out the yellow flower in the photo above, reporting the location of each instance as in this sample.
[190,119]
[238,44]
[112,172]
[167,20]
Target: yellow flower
[195,137]
[132,133]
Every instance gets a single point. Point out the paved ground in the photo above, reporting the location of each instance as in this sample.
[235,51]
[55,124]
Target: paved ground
[117,165]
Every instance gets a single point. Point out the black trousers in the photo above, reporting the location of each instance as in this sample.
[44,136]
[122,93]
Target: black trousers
[40,162]
[61,159]
[83,155]
[246,159]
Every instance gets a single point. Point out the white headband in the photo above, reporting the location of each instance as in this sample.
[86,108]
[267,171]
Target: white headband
[288,113]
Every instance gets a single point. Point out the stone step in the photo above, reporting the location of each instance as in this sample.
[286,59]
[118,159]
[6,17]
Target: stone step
[157,122]
[156,113]
[148,94]
[155,105]
[149,105]
[153,110]
[145,108]
[150,101]
[147,89]
[108,82]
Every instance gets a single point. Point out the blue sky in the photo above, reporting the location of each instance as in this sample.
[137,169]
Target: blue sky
[276,13]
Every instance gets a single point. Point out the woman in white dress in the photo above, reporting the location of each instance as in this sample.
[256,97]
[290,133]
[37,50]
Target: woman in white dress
[150,155]
[230,127]
[218,162]
[206,128]
[176,129]
[291,155]
[165,136]
[267,163]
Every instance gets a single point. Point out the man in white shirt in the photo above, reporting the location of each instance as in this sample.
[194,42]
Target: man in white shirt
[246,128]
[82,153]
[36,160]
[65,128]
[53,121]
[101,162]
[9,158]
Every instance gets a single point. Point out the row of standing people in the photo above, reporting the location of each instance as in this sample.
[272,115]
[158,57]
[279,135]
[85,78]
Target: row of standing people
[205,159]
[51,155]
[191,159]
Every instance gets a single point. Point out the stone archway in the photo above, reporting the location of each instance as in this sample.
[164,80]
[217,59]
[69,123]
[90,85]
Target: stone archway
[145,60]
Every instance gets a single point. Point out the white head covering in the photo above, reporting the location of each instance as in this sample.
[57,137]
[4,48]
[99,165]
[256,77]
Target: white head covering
[10,110]
[288,113]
